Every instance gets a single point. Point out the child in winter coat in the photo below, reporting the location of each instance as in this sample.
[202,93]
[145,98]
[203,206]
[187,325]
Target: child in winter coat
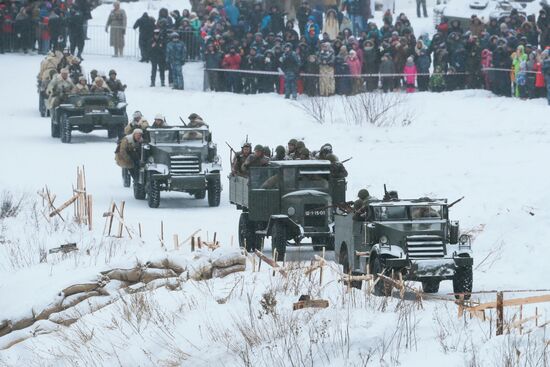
[437,81]
[521,80]
[410,74]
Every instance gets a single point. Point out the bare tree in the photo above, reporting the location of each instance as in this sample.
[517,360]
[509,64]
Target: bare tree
[320,108]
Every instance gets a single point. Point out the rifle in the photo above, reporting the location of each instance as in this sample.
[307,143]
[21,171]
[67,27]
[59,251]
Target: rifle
[183,122]
[455,202]
[64,248]
[230,147]
[345,206]
[346,160]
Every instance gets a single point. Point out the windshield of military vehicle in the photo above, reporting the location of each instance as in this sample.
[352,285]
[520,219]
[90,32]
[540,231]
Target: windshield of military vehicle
[412,212]
[174,136]
[419,212]
[382,213]
[264,178]
[313,180]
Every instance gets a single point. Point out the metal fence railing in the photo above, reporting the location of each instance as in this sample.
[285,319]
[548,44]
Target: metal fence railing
[41,40]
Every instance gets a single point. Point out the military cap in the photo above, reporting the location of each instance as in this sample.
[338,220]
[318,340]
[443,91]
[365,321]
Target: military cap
[137,114]
[280,149]
[363,194]
[267,151]
[246,144]
[159,116]
[138,131]
[292,142]
[112,71]
[326,148]
[259,147]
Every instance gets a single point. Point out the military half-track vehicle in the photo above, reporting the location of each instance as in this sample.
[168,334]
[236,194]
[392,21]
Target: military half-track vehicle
[89,112]
[179,159]
[287,200]
[412,239]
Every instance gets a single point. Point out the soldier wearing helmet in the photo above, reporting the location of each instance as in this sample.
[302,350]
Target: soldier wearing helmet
[280,153]
[337,169]
[362,204]
[257,159]
[292,148]
[196,121]
[325,150]
[114,84]
[240,158]
[303,154]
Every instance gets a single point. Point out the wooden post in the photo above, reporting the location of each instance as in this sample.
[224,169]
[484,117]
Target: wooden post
[214,240]
[121,213]
[199,242]
[520,319]
[139,229]
[90,212]
[176,242]
[536,317]
[193,244]
[113,207]
[500,313]
[162,231]
[274,259]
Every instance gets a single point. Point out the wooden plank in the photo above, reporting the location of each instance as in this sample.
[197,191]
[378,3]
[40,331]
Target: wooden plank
[63,206]
[513,302]
[270,262]
[314,303]
[90,212]
[121,214]
[357,278]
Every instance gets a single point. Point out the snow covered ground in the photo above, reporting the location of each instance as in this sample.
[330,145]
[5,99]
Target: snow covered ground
[492,150]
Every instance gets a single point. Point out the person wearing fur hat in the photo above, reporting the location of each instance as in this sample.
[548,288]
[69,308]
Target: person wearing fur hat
[99,86]
[81,87]
[59,87]
[138,122]
[128,152]
[326,70]
[196,121]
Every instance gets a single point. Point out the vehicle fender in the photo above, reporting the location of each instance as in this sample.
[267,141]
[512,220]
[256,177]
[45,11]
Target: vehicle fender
[378,250]
[158,167]
[293,228]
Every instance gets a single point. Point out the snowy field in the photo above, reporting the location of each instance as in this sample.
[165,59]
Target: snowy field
[492,150]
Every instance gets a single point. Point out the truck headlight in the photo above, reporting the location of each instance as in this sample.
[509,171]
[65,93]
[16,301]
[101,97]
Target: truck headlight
[291,211]
[384,240]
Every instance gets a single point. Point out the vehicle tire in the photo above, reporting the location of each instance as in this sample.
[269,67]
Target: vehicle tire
[42,105]
[126,178]
[278,240]
[247,237]
[463,281]
[153,194]
[214,191]
[199,194]
[54,129]
[381,288]
[343,259]
[65,128]
[139,189]
[430,286]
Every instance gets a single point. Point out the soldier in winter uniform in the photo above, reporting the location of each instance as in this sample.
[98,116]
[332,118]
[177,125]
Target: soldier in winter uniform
[128,152]
[239,159]
[138,122]
[59,87]
[196,121]
[176,53]
[114,84]
[117,22]
[280,153]
[291,148]
[159,122]
[81,87]
[258,159]
[99,86]
[337,169]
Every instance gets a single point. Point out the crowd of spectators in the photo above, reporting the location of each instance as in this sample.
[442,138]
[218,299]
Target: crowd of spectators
[339,50]
[44,25]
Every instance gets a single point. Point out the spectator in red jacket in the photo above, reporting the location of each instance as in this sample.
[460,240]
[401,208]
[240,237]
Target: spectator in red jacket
[232,61]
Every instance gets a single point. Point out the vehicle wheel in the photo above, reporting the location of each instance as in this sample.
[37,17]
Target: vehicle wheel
[153,194]
[54,129]
[214,191]
[278,240]
[65,128]
[247,237]
[139,189]
[381,288]
[343,259]
[463,282]
[126,178]
[430,286]
[42,105]
[199,194]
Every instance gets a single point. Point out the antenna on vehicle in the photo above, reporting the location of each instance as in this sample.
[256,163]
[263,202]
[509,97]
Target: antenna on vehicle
[183,122]
[385,190]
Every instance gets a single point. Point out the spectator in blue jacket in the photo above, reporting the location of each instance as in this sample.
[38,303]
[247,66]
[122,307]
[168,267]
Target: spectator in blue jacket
[176,53]
[290,64]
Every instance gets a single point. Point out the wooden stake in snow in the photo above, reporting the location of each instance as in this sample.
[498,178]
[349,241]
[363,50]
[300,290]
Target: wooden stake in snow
[176,242]
[314,303]
[90,212]
[139,228]
[500,313]
[270,262]
[121,214]
[64,205]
